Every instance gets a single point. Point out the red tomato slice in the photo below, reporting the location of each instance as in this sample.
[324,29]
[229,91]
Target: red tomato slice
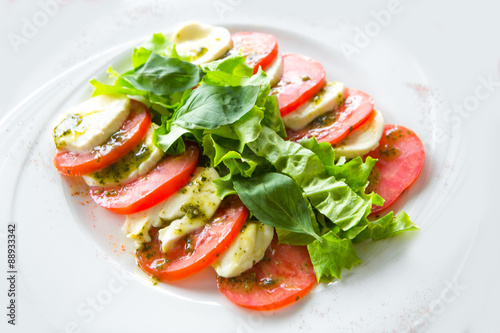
[335,126]
[119,144]
[259,49]
[401,156]
[199,249]
[284,276]
[165,179]
[302,78]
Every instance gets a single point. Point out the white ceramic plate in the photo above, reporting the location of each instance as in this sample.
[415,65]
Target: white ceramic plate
[76,268]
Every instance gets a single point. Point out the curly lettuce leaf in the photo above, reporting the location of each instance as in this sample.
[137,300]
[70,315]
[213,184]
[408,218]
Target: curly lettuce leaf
[323,150]
[355,172]
[272,116]
[386,227]
[331,255]
[222,150]
[234,65]
[333,198]
[169,140]
[336,200]
[224,186]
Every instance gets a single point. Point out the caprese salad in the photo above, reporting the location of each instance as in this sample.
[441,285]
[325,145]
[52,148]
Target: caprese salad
[222,151]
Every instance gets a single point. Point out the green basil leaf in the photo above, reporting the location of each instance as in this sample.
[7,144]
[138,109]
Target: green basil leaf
[210,107]
[163,76]
[276,200]
[333,198]
[295,238]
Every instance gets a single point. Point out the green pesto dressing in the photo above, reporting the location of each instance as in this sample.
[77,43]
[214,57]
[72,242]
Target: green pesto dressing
[327,118]
[198,52]
[324,120]
[389,152]
[373,179]
[193,211]
[123,168]
[68,127]
[249,280]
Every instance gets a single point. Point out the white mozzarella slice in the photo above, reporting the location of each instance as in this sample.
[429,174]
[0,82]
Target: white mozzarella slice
[190,208]
[201,42]
[199,190]
[246,250]
[363,139]
[328,99]
[137,225]
[177,230]
[91,123]
[275,70]
[135,164]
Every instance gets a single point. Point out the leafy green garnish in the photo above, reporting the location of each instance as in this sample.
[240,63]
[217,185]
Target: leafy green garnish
[331,256]
[160,44]
[164,76]
[386,226]
[234,65]
[272,116]
[276,200]
[168,140]
[224,186]
[209,107]
[323,150]
[333,198]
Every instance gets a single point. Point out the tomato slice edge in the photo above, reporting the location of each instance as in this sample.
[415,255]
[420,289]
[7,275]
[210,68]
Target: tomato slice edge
[360,109]
[412,157]
[256,296]
[121,200]
[302,78]
[267,57]
[228,219]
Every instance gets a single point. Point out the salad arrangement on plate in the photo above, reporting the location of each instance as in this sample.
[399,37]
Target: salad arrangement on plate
[223,152]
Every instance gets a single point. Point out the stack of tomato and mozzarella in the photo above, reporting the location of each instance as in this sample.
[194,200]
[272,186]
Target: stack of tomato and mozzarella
[179,224]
